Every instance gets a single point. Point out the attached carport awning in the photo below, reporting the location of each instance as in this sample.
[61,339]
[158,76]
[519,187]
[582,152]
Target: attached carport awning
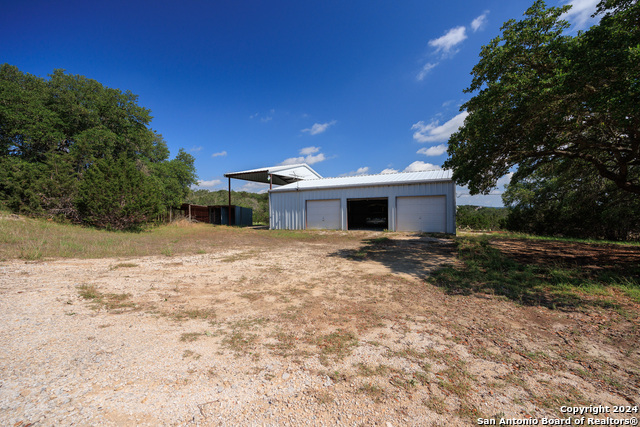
[277,175]
[274,175]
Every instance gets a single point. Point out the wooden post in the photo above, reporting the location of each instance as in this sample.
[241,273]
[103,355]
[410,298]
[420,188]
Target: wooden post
[189,211]
[229,213]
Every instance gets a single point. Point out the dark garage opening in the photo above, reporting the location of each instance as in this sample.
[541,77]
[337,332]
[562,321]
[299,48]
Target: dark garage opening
[368,214]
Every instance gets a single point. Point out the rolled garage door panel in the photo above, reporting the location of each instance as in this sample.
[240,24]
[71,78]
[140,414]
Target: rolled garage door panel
[422,213]
[323,214]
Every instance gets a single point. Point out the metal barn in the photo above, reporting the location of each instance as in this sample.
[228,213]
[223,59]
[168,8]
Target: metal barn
[408,201]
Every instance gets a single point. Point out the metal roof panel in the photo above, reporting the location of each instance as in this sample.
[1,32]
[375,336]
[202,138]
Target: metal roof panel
[369,180]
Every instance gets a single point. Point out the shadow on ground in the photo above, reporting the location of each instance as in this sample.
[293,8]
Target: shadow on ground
[416,255]
[543,273]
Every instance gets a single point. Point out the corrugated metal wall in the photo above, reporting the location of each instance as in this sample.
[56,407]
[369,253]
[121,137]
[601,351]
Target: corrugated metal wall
[287,208]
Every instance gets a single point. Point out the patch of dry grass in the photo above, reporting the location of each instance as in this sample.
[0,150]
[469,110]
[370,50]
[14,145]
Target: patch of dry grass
[35,239]
[109,301]
[338,343]
[193,313]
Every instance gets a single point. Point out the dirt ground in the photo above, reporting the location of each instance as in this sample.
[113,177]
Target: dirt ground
[329,331]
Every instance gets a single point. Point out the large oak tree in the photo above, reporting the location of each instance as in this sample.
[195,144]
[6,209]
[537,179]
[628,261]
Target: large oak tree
[543,96]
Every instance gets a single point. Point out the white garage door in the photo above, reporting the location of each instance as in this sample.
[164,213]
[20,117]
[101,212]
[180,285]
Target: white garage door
[424,213]
[323,214]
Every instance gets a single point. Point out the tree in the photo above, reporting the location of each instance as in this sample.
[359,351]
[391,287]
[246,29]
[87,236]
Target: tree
[115,194]
[62,137]
[544,97]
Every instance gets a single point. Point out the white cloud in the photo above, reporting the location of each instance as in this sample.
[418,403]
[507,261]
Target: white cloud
[195,149]
[309,150]
[292,161]
[389,170]
[580,12]
[360,171]
[315,159]
[220,154]
[209,184]
[318,128]
[433,132]
[433,151]
[425,70]
[307,156]
[419,166]
[452,38]
[479,22]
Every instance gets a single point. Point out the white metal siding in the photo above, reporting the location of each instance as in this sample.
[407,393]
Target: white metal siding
[323,214]
[287,208]
[422,213]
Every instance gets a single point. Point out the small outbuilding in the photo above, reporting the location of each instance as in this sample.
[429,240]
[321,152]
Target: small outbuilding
[218,215]
[408,201]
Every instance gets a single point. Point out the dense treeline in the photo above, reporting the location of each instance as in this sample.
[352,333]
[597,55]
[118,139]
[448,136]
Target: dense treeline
[481,218]
[74,149]
[258,202]
[568,199]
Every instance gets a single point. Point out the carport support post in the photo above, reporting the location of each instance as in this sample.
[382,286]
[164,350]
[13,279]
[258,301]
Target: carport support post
[229,212]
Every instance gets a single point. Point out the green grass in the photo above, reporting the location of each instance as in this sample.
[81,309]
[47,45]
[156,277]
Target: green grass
[485,269]
[513,235]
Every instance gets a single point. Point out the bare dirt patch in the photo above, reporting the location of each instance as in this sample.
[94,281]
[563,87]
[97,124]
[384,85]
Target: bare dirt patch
[344,329]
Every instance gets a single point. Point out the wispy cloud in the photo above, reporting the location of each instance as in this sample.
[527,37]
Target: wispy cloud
[195,149]
[309,150]
[319,128]
[425,70]
[389,170]
[446,46]
[434,132]
[220,154]
[479,22]
[307,155]
[433,151]
[360,171]
[209,184]
[264,118]
[419,166]
[580,13]
[451,39]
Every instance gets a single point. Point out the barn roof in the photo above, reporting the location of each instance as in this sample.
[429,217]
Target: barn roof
[368,180]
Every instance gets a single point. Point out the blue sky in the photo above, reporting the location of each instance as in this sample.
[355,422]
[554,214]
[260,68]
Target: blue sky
[350,87]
